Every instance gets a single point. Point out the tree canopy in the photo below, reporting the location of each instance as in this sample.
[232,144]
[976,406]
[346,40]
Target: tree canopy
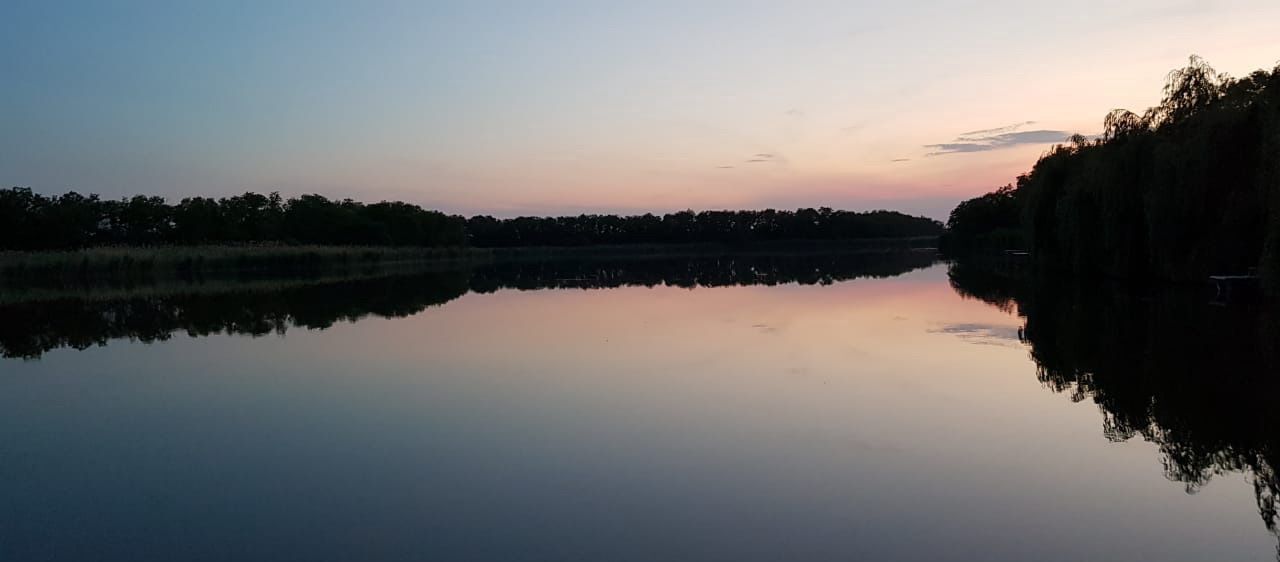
[31,221]
[1189,188]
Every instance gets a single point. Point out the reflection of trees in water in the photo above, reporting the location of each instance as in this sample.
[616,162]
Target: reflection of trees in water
[29,329]
[991,282]
[702,271]
[1197,380]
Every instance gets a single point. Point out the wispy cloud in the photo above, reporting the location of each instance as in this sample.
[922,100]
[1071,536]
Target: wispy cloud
[763,157]
[775,158]
[901,160]
[996,131]
[760,158]
[855,127]
[997,138]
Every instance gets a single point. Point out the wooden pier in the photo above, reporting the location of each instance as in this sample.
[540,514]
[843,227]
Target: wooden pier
[1227,287]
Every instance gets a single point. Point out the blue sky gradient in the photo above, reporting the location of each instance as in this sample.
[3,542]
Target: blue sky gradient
[565,107]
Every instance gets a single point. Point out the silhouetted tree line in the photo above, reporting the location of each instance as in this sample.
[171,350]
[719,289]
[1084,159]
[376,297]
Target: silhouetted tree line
[990,221]
[30,221]
[29,329]
[1197,380]
[730,227]
[1189,188]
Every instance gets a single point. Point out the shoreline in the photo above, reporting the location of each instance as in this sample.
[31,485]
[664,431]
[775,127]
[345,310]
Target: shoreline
[131,264]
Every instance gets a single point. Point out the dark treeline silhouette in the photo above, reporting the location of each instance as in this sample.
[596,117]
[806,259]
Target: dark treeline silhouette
[990,221]
[1189,188]
[730,227]
[31,221]
[1197,380]
[29,328]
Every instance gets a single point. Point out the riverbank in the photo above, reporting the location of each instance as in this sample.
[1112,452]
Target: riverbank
[128,264]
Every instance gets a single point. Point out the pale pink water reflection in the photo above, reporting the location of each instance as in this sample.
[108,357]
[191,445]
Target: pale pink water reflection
[868,419]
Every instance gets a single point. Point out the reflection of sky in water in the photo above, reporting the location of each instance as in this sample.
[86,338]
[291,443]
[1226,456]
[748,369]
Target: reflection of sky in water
[851,421]
[985,334]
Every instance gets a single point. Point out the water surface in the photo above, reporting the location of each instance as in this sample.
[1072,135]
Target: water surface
[762,409]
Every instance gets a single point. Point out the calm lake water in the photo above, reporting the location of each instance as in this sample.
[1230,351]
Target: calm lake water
[819,408]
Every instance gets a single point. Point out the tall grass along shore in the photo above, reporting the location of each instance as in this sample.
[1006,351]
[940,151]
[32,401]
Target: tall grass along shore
[115,262]
[124,264]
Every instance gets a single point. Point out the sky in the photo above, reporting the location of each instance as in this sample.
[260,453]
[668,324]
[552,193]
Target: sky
[561,107]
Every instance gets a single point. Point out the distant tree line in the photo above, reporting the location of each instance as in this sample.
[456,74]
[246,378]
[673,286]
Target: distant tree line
[1188,188]
[31,221]
[690,227]
[990,221]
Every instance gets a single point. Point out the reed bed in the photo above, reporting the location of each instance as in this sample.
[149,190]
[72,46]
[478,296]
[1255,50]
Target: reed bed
[124,266]
[127,262]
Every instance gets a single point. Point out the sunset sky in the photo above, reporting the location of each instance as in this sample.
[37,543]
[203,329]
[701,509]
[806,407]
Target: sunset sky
[532,107]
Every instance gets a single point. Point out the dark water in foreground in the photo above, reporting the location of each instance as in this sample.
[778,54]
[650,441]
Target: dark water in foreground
[801,408]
